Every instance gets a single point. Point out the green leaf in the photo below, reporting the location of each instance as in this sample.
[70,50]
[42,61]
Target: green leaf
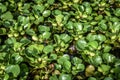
[87,27]
[58,66]
[39,8]
[30,32]
[81,44]
[34,50]
[116,27]
[80,67]
[14,69]
[81,8]
[92,78]
[78,26]
[46,35]
[25,41]
[17,46]
[108,78]
[99,17]
[53,56]
[108,58]
[59,18]
[66,56]
[107,48]
[2,31]
[50,1]
[103,25]
[39,20]
[65,77]
[88,10]
[65,37]
[76,60]
[2,55]
[91,37]
[46,13]
[93,44]
[57,12]
[62,59]
[69,25]
[104,69]
[54,77]
[57,38]
[3,8]
[43,29]
[23,70]
[48,49]
[97,60]
[6,77]
[10,41]
[26,6]
[117,12]
[17,58]
[7,16]
[101,37]
[24,21]
[37,1]
[67,66]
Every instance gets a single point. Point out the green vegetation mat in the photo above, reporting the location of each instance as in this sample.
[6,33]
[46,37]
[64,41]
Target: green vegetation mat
[59,39]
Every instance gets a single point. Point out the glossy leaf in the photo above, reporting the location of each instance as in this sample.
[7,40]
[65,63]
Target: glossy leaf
[34,50]
[59,18]
[14,69]
[62,59]
[108,78]
[17,58]
[76,61]
[39,7]
[67,66]
[101,37]
[81,44]
[92,78]
[53,56]
[91,37]
[97,60]
[46,35]
[88,10]
[108,58]
[104,69]
[78,26]
[117,12]
[46,13]
[10,41]
[65,77]
[107,48]
[69,25]
[93,44]
[80,67]
[30,32]
[54,77]
[48,49]
[7,16]
[65,37]
[43,29]
[25,41]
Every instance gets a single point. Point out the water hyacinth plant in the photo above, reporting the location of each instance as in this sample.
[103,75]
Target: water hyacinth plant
[59,40]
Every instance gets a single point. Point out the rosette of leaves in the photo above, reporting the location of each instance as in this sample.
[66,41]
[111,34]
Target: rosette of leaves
[39,33]
[61,42]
